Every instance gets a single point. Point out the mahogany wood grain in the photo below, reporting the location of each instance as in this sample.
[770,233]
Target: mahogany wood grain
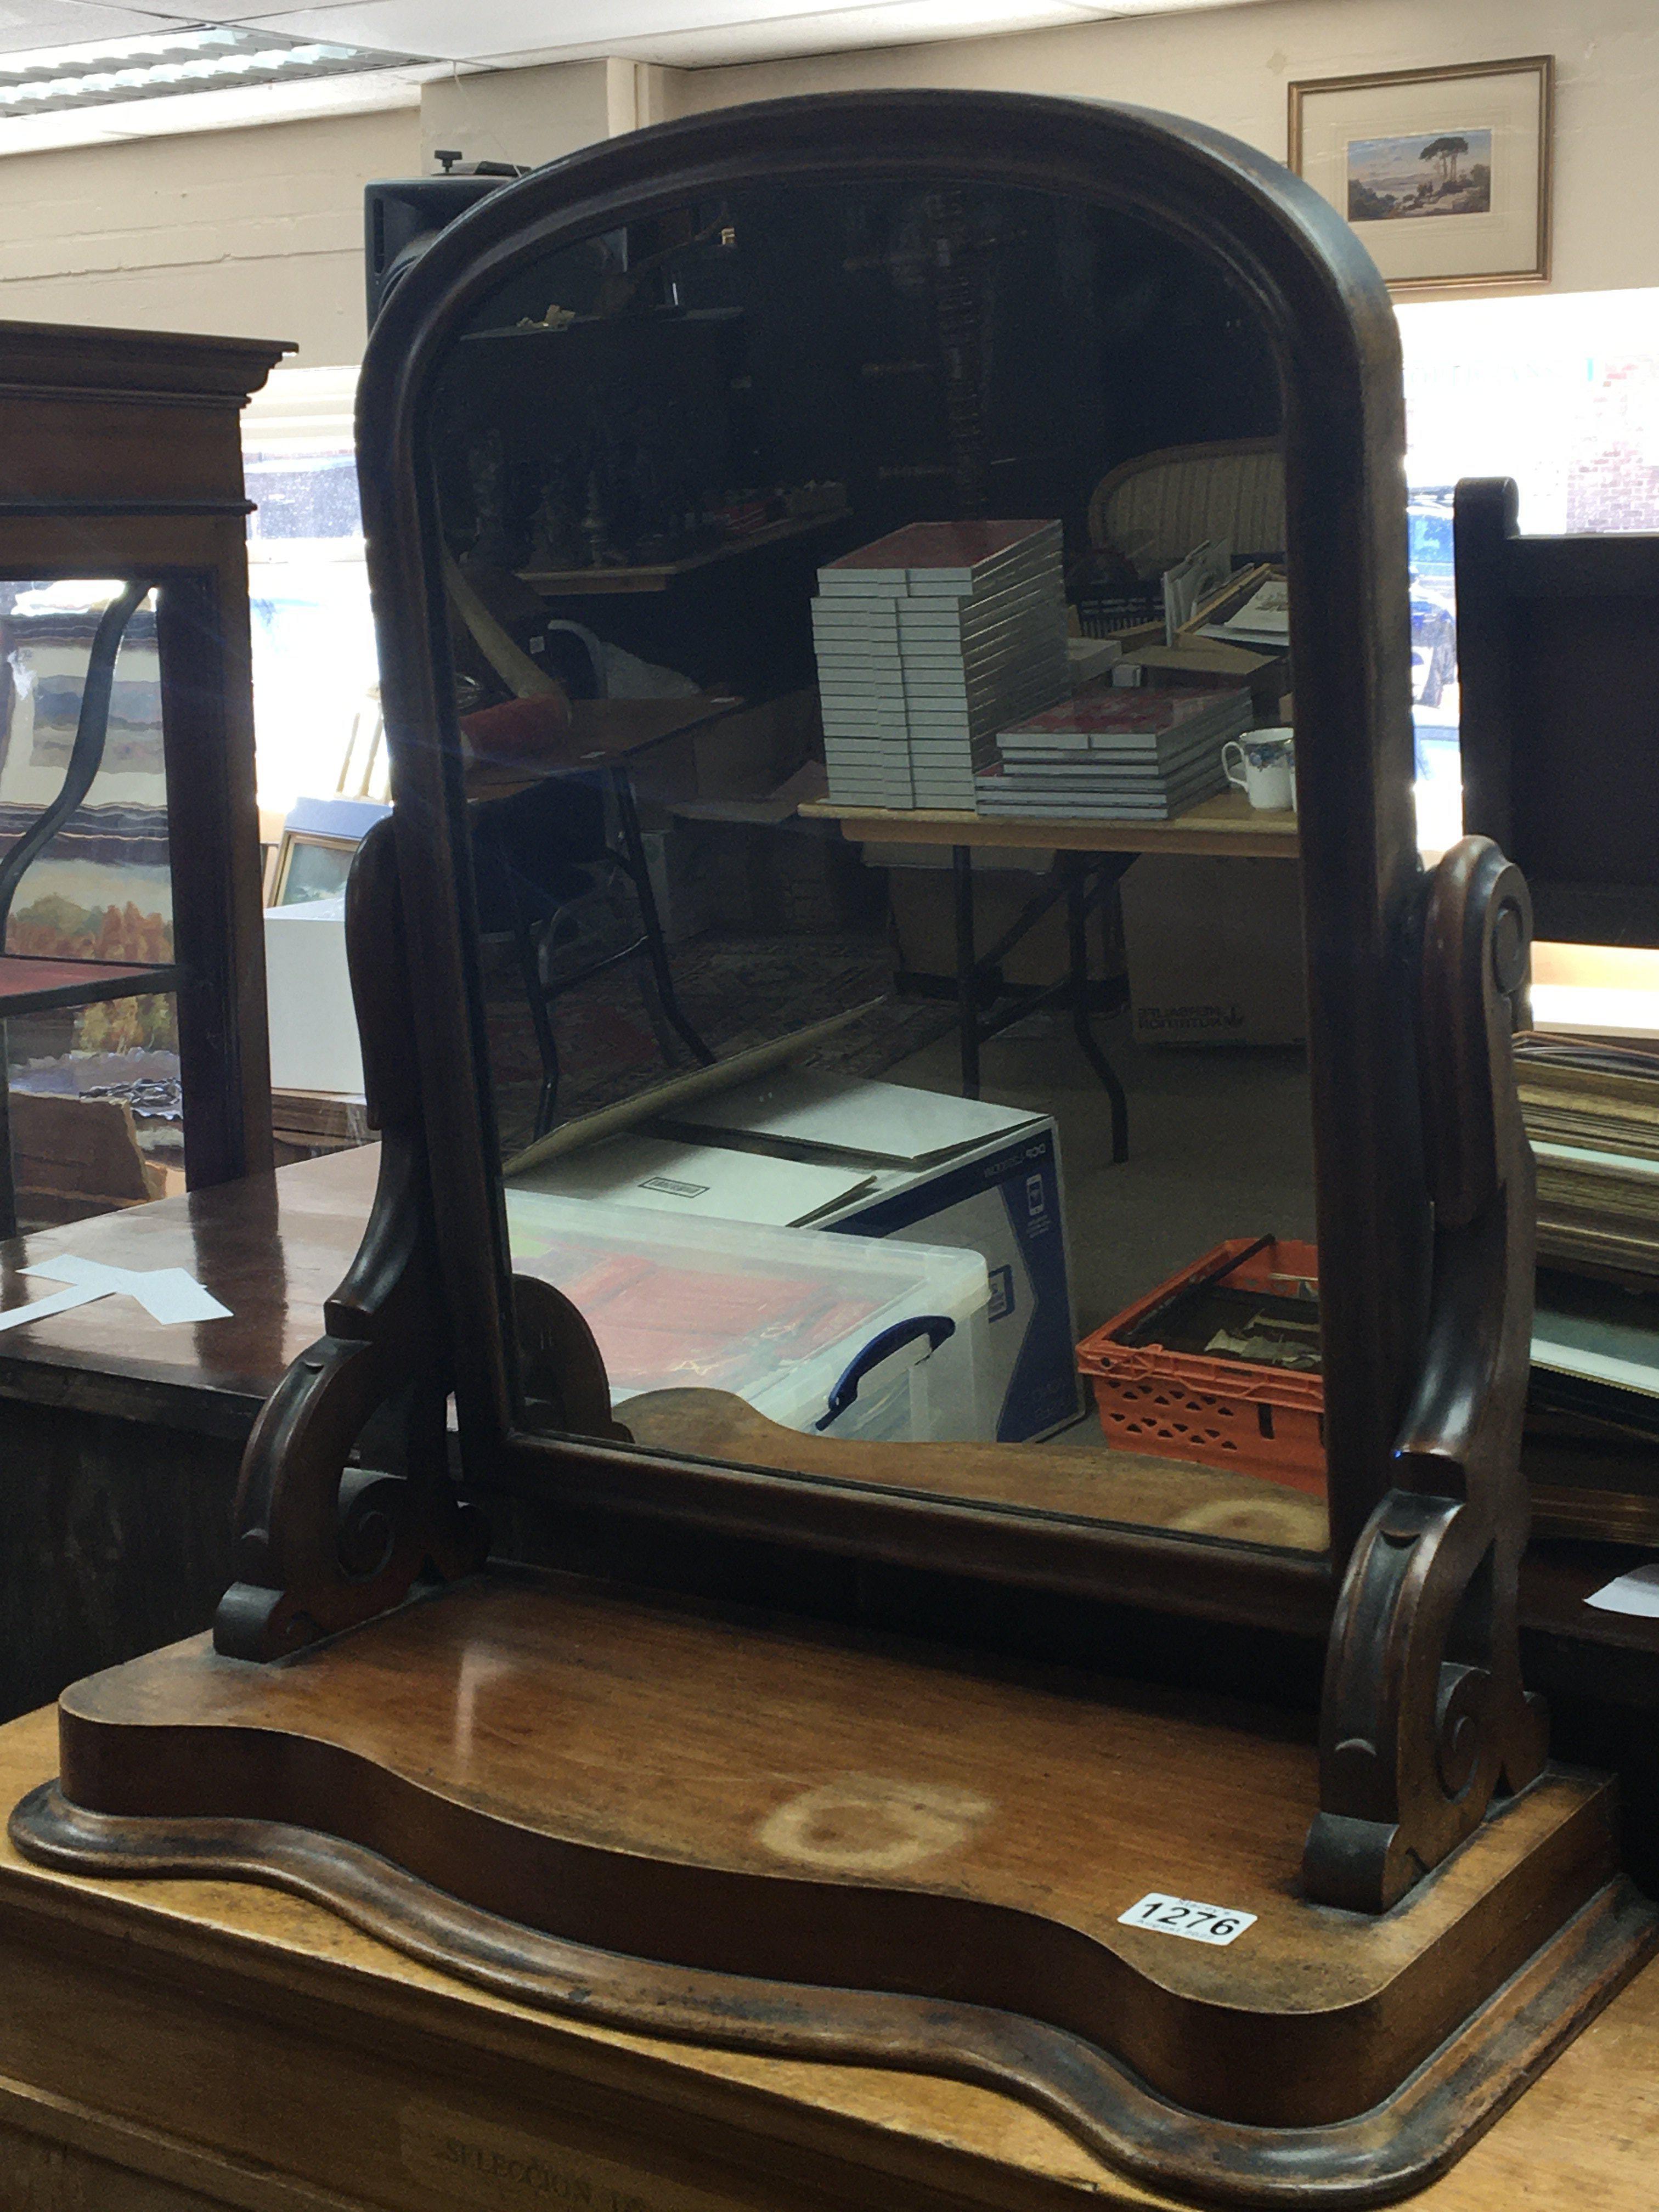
[1087,1480]
[136,2012]
[169,538]
[854,1827]
[30,984]
[270,1247]
[1426,1714]
[328,1534]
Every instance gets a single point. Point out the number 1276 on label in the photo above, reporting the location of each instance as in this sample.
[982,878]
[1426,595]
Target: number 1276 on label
[1181,1916]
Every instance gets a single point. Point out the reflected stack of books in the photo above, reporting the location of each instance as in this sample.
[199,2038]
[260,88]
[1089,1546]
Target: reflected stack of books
[928,642]
[1116,755]
[1592,1112]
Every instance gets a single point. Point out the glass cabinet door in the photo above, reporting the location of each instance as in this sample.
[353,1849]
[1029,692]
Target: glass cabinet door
[86,883]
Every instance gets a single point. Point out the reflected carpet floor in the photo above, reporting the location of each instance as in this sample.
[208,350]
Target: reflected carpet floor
[736,992]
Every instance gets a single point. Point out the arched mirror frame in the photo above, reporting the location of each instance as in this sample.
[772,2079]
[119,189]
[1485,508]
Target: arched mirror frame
[1328,320]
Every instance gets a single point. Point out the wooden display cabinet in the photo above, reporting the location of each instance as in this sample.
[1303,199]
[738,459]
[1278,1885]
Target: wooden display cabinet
[744,1833]
[120,456]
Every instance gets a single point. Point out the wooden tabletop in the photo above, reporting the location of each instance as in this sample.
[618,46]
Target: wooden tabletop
[658,575]
[271,1248]
[836,1810]
[1227,826]
[30,984]
[385,2080]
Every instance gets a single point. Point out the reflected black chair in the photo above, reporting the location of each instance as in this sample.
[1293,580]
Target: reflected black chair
[1558,653]
[538,850]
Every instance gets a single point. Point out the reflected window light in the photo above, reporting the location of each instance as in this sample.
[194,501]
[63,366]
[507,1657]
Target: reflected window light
[1559,391]
[314,668]
[73,595]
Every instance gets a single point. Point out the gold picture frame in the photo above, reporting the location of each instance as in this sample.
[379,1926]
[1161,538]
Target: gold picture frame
[1446,174]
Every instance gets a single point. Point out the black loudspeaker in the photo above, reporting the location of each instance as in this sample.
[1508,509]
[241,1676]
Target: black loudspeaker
[401,218]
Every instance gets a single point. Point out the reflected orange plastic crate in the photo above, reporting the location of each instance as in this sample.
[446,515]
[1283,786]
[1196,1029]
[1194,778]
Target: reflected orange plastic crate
[1260,1420]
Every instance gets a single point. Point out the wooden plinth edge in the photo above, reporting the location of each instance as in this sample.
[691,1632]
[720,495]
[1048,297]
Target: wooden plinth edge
[1375,2158]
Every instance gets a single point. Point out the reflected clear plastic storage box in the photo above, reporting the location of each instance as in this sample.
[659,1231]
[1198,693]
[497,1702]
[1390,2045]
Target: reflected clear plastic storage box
[848,1336]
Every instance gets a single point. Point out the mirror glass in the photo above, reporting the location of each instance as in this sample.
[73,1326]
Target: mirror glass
[860,598]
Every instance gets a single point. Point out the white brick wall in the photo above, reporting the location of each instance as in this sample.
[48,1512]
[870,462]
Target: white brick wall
[535,115]
[253,233]
[259,231]
[1230,66]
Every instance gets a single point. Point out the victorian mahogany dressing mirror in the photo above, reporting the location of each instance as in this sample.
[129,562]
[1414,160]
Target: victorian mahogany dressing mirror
[883,311]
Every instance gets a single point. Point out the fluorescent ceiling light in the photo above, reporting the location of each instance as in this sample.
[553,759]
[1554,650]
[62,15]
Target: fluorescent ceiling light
[168,63]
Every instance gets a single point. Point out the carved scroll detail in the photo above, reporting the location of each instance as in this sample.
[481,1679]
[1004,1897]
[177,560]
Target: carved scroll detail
[321,1543]
[1425,1718]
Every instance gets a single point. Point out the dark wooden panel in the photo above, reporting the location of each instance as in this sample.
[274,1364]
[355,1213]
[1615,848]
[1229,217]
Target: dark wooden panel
[1584,696]
[105,414]
[213,827]
[1557,642]
[844,1826]
[115,1536]
[1615,564]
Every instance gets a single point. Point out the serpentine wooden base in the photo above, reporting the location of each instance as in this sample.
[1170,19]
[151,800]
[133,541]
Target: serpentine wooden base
[720,1831]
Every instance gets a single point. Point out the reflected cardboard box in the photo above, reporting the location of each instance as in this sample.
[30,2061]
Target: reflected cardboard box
[921,892]
[740,756]
[1208,661]
[1214,950]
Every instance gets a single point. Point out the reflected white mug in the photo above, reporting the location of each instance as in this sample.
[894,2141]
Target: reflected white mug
[1265,770]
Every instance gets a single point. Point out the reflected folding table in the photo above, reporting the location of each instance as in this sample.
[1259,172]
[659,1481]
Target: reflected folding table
[1094,856]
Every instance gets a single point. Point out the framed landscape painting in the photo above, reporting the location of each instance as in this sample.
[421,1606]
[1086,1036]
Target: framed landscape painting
[1444,174]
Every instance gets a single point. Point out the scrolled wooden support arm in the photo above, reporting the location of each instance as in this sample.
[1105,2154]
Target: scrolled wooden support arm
[1425,1719]
[323,1544]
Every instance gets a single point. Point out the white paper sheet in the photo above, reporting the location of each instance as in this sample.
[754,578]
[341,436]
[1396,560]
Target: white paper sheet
[1636,1594]
[1584,1008]
[41,1309]
[169,1295]
[693,1179]
[1598,1366]
[846,1114]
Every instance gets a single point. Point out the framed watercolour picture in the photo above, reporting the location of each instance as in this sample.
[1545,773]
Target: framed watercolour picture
[1444,174]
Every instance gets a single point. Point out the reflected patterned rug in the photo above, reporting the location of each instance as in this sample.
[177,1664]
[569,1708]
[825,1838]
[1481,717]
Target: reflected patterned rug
[736,992]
